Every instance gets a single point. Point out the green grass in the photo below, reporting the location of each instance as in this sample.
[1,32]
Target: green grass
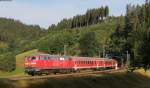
[19,65]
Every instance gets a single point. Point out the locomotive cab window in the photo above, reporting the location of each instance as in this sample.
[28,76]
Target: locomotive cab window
[33,58]
[44,58]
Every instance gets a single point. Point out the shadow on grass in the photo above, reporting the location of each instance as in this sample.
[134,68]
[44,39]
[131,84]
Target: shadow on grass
[120,80]
[4,83]
[129,80]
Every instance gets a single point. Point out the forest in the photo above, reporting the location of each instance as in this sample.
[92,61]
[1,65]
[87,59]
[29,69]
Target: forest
[88,34]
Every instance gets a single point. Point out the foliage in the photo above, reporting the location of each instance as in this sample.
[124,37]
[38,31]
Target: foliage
[144,50]
[55,41]
[133,36]
[7,62]
[88,44]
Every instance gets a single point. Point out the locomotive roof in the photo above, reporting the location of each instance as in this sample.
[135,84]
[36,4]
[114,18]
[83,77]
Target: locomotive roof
[90,58]
[45,55]
[72,57]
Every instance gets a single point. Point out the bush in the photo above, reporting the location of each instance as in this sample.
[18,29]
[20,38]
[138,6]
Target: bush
[7,62]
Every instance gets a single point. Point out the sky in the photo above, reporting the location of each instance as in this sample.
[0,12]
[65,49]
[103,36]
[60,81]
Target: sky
[47,12]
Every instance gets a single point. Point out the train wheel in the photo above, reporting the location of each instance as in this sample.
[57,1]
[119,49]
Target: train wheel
[32,74]
[55,73]
[39,74]
[77,71]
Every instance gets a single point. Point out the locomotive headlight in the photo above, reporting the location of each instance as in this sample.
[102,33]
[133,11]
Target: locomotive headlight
[33,63]
[26,63]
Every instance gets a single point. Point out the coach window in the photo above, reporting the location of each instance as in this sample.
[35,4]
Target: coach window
[45,58]
[91,62]
[49,58]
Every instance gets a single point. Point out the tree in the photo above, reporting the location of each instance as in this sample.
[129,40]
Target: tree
[88,44]
[106,11]
[145,49]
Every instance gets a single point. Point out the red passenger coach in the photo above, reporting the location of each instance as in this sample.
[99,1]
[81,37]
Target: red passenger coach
[93,63]
[46,64]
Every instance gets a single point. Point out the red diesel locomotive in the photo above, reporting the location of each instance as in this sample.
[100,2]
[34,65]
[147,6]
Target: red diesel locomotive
[46,64]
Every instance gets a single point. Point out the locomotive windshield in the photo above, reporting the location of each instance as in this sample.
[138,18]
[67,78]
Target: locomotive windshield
[33,58]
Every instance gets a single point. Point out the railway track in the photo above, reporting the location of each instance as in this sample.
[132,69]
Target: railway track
[64,75]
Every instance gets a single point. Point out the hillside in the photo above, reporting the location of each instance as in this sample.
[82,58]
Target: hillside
[15,37]
[56,40]
[15,34]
